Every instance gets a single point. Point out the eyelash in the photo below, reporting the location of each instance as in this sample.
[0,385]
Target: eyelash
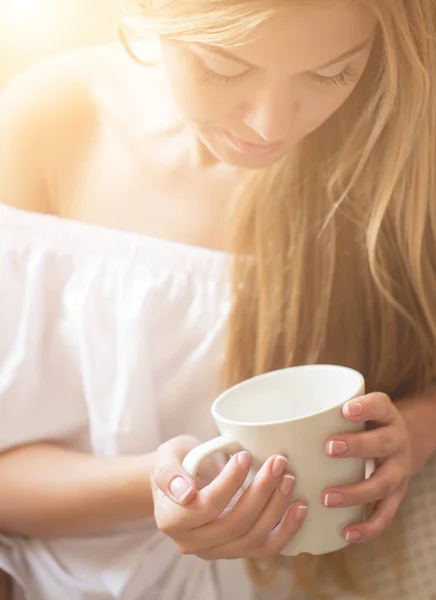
[345,78]
[210,75]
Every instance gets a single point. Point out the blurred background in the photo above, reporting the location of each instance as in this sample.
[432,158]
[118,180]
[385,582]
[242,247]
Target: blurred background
[32,29]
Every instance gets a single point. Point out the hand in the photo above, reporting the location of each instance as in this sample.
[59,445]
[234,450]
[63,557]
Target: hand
[222,520]
[386,440]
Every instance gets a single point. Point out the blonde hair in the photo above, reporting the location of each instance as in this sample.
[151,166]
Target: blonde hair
[343,235]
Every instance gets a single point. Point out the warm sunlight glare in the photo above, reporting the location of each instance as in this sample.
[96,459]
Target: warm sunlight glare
[24,7]
[33,29]
[28,17]
[16,11]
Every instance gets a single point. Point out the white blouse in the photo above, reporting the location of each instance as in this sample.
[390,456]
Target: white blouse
[112,343]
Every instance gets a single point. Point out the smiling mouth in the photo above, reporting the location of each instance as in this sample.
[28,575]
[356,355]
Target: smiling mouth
[254,149]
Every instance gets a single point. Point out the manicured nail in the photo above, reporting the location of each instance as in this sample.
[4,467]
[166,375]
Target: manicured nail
[287,484]
[334,499]
[244,460]
[300,513]
[279,466]
[353,409]
[337,448]
[180,488]
[353,536]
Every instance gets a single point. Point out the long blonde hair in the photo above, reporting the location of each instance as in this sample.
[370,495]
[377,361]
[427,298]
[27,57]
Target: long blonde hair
[343,236]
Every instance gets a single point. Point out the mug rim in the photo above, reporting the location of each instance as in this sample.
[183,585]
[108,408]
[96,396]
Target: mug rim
[360,383]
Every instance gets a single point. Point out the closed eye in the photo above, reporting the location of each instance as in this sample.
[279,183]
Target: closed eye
[211,75]
[344,78]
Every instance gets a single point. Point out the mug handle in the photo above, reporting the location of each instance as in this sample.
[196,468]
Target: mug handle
[222,443]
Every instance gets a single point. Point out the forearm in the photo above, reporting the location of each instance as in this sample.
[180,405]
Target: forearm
[47,491]
[419,414]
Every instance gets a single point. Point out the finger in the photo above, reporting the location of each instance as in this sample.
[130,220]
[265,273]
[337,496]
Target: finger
[379,521]
[180,522]
[215,497]
[382,484]
[208,469]
[257,496]
[375,407]
[375,443]
[237,522]
[257,538]
[169,477]
[278,538]
[287,528]
[267,519]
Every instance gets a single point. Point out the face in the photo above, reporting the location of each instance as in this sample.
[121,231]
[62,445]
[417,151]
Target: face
[250,104]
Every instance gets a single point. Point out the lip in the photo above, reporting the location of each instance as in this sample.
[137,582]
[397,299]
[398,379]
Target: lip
[254,149]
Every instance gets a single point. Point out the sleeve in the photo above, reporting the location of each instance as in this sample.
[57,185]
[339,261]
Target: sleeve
[41,397]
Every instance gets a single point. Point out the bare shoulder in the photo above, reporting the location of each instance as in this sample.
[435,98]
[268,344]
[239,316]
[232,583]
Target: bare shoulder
[49,114]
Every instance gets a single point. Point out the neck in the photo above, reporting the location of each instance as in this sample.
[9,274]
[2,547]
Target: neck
[201,155]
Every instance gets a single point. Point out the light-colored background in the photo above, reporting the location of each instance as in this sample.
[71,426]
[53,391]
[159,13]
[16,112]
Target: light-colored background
[32,29]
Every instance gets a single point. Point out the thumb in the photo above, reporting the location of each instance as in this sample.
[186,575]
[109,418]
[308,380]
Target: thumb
[169,477]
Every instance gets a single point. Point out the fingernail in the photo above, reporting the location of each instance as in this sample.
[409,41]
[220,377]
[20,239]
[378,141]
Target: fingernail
[244,460]
[334,499]
[279,466]
[287,484]
[353,536]
[180,488]
[353,409]
[300,513]
[337,448]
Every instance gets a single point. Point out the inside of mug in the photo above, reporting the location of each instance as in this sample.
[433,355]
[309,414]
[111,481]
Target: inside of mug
[289,394]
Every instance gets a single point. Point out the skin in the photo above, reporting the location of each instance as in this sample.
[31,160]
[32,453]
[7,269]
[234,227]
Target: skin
[281,98]
[211,526]
[286,93]
[188,164]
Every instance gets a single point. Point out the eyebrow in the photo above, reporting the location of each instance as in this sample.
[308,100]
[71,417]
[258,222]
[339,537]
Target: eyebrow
[348,54]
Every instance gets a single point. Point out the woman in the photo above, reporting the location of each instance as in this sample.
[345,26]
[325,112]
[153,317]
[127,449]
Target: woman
[303,133]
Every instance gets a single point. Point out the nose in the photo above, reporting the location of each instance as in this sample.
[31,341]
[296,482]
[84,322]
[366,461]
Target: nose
[271,114]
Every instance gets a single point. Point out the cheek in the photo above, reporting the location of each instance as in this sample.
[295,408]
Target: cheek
[321,107]
[199,102]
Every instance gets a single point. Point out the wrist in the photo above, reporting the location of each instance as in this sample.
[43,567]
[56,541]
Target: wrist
[419,414]
[129,486]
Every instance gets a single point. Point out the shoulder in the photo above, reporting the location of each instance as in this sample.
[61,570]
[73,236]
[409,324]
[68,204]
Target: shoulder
[48,114]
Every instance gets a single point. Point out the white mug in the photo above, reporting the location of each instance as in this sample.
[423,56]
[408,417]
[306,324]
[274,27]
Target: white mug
[292,412]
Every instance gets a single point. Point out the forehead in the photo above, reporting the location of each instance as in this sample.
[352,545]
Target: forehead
[307,33]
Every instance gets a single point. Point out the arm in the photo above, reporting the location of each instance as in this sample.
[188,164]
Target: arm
[47,491]
[48,117]
[419,414]
[23,184]
[44,490]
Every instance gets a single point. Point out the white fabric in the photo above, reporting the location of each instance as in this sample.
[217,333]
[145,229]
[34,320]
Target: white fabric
[109,343]
[112,343]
